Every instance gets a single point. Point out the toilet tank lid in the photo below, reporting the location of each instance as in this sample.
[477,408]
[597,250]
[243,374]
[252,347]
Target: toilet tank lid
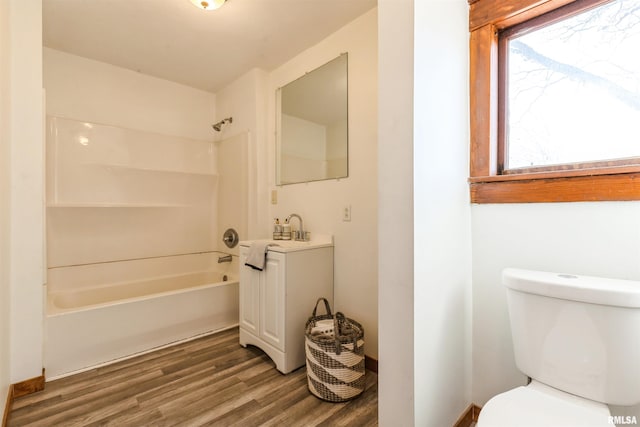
[594,290]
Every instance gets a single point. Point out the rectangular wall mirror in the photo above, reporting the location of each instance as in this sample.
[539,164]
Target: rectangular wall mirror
[312,125]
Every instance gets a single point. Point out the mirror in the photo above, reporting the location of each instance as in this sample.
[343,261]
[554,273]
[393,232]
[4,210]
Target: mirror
[312,126]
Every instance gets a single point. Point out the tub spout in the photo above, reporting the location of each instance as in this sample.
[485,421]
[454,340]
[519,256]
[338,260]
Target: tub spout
[225,258]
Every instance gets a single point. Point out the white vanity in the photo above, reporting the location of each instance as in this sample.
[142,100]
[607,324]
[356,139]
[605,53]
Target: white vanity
[275,303]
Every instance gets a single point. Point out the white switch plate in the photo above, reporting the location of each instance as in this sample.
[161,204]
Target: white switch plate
[274,197]
[346,213]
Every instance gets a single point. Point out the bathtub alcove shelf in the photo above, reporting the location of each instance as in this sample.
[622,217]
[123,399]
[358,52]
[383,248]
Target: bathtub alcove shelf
[125,168]
[114,205]
[91,165]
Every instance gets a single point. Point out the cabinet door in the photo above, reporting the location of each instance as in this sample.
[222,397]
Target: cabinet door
[272,301]
[249,295]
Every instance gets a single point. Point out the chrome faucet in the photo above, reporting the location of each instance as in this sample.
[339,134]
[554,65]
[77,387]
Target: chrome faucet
[301,234]
[225,258]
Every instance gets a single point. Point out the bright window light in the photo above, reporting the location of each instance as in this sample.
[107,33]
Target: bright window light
[573,89]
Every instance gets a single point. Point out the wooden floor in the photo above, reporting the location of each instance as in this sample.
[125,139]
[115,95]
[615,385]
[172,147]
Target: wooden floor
[208,381]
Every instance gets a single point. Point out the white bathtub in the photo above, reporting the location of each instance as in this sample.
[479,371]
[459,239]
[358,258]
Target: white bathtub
[101,313]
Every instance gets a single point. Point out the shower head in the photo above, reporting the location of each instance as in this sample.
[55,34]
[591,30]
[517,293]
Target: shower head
[218,126]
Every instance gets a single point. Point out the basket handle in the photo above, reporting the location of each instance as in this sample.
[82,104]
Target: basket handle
[327,307]
[337,318]
[336,332]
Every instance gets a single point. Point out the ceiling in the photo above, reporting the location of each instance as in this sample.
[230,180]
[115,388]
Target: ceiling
[176,41]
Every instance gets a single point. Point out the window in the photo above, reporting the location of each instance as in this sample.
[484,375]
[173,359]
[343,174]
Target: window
[555,100]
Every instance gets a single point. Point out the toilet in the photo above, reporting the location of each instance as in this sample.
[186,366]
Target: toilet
[576,338]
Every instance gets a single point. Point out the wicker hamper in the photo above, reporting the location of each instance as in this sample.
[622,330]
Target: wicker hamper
[334,347]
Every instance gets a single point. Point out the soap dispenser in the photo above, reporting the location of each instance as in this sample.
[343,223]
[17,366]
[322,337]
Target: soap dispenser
[286,230]
[277,229]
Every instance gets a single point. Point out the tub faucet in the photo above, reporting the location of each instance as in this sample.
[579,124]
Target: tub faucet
[300,234]
[225,258]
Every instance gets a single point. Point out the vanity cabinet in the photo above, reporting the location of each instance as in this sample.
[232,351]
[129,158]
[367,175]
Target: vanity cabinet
[262,299]
[275,303]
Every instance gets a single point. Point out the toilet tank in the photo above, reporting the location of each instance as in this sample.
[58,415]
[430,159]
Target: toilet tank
[578,334]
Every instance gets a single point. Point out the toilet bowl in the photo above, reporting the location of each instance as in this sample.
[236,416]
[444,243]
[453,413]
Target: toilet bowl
[539,405]
[575,337]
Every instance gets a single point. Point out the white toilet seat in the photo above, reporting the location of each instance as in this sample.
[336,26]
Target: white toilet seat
[538,405]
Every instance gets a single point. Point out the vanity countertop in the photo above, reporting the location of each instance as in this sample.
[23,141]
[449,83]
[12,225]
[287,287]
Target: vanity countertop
[317,241]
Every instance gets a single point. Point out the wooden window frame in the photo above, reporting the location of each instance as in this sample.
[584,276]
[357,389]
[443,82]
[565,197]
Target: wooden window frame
[598,181]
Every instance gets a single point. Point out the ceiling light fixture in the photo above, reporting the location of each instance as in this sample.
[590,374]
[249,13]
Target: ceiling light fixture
[207,4]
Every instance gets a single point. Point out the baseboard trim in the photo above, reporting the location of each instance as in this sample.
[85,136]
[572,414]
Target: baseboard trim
[469,416]
[29,386]
[7,406]
[371,364]
[22,388]
[476,412]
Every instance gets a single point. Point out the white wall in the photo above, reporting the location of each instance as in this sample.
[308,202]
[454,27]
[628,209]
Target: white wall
[442,234]
[5,84]
[396,214]
[598,239]
[321,203]
[425,246]
[22,107]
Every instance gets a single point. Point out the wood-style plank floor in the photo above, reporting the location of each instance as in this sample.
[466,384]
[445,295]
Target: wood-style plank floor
[211,381]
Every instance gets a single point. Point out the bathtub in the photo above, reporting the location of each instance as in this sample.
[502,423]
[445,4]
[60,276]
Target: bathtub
[101,313]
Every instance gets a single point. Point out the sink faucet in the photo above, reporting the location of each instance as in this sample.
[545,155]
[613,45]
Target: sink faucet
[300,234]
[225,258]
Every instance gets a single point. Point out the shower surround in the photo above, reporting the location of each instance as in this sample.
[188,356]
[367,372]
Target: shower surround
[134,225]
